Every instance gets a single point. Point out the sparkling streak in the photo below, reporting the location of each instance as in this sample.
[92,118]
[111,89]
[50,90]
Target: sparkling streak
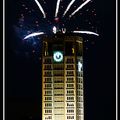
[86,32]
[82,5]
[68,7]
[40,7]
[57,7]
[34,34]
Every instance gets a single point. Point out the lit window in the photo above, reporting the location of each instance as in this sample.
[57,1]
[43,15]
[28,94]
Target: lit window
[80,99]
[48,117]
[70,104]
[70,98]
[48,92]
[48,73]
[80,93]
[70,91]
[80,105]
[80,86]
[48,80]
[70,67]
[80,80]
[48,104]
[80,74]
[70,80]
[70,111]
[70,117]
[48,98]
[48,85]
[48,111]
[70,85]
[70,73]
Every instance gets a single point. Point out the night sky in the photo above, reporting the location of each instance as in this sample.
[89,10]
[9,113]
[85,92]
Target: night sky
[23,57]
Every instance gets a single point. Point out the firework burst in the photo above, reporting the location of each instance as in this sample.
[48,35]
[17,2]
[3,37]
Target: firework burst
[59,22]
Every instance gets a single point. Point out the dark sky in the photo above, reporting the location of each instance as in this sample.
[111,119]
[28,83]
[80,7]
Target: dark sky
[23,68]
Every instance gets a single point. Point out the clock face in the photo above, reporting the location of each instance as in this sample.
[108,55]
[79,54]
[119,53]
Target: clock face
[58,56]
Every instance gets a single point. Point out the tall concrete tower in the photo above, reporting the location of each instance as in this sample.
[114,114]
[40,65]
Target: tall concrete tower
[62,78]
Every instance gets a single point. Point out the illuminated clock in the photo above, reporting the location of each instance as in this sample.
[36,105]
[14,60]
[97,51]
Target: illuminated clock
[58,56]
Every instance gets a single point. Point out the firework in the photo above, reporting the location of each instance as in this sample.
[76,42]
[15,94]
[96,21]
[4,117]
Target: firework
[40,7]
[57,8]
[56,27]
[86,32]
[68,7]
[34,34]
[82,5]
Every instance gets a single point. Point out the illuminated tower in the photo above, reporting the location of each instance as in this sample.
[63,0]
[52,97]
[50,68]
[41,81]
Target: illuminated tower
[62,78]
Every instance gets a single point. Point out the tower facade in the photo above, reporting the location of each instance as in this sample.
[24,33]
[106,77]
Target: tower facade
[62,78]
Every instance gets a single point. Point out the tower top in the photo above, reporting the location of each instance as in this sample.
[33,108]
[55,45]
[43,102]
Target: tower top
[63,37]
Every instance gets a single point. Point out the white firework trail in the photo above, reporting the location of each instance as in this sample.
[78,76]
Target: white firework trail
[68,7]
[34,34]
[40,7]
[82,5]
[86,32]
[57,8]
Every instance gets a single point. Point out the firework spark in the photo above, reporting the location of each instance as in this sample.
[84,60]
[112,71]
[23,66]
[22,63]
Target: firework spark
[40,7]
[34,34]
[68,7]
[57,8]
[82,5]
[86,32]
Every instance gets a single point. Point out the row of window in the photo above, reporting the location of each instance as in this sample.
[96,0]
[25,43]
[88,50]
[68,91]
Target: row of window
[49,60]
[50,117]
[62,86]
[68,60]
[68,117]
[80,105]
[69,80]
[79,99]
[60,94]
[69,67]
[58,67]
[69,73]
[61,73]
[69,92]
